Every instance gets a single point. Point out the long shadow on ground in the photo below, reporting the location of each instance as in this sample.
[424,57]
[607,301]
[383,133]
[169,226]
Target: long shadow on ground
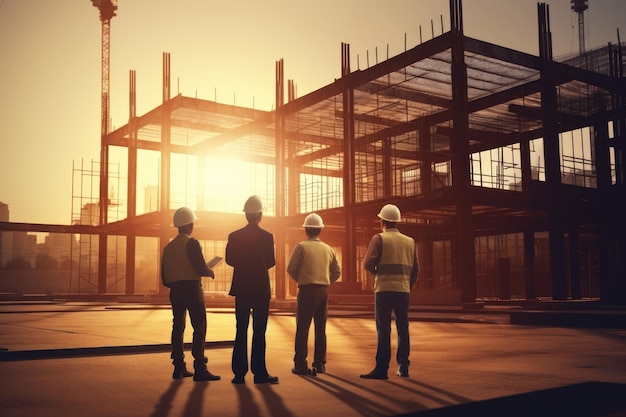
[589,399]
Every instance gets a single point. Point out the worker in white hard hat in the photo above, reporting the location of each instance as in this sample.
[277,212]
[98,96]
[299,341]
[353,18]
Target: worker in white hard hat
[313,265]
[392,258]
[250,251]
[182,266]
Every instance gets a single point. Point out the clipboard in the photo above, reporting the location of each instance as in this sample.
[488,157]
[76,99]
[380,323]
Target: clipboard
[214,262]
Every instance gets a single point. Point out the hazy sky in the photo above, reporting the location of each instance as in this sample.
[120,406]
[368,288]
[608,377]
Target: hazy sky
[50,65]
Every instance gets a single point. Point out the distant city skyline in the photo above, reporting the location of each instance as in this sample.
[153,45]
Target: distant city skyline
[50,66]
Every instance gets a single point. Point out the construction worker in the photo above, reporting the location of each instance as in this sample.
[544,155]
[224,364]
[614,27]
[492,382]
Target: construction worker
[313,265]
[250,251]
[182,266]
[392,258]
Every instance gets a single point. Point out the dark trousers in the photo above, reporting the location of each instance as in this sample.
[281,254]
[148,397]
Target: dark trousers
[386,303]
[312,305]
[188,296]
[260,312]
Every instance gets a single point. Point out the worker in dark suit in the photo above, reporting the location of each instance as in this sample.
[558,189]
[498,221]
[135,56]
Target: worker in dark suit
[250,251]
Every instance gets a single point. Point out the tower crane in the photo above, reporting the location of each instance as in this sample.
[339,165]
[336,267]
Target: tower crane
[107,10]
[579,6]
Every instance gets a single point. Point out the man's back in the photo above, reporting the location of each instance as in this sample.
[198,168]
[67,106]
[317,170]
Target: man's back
[250,251]
[313,262]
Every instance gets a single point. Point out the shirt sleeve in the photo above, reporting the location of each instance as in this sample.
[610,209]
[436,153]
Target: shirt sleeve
[372,256]
[163,275]
[194,251]
[295,261]
[271,254]
[230,253]
[416,269]
[335,269]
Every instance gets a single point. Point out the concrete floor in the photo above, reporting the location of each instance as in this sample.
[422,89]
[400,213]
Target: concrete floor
[111,359]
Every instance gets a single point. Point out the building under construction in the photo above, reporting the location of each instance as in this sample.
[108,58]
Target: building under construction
[508,169]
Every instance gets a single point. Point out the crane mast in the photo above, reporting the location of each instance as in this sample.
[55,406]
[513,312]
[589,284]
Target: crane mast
[107,10]
[579,6]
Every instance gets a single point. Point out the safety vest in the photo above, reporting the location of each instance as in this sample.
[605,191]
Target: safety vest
[393,272]
[318,257]
[175,262]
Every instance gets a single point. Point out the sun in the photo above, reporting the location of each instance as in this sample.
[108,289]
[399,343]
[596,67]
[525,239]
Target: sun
[203,183]
[228,183]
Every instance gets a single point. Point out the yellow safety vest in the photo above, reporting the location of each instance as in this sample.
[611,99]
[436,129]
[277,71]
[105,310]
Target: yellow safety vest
[393,272]
[175,262]
[318,257]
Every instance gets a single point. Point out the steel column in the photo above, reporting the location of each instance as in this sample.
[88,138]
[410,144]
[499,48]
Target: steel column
[349,251]
[166,153]
[132,186]
[529,263]
[279,235]
[552,154]
[464,267]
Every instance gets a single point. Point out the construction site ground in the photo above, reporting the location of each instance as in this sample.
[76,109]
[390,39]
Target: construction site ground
[111,358]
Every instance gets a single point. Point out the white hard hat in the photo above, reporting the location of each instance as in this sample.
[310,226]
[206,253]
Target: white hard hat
[313,220]
[390,213]
[184,216]
[253,205]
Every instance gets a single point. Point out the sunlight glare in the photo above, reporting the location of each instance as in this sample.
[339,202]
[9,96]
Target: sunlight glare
[228,183]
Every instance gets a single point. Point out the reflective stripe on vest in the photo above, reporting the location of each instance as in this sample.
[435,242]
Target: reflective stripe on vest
[393,272]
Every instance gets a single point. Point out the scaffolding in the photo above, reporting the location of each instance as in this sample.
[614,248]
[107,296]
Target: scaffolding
[86,212]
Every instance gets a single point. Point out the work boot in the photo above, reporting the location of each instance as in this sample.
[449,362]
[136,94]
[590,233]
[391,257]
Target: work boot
[403,371]
[375,374]
[300,370]
[181,372]
[265,379]
[205,375]
[238,379]
[201,373]
[319,367]
[301,367]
